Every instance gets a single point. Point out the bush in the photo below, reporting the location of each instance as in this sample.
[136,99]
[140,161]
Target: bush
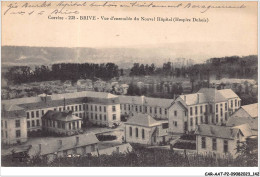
[106,137]
[185,145]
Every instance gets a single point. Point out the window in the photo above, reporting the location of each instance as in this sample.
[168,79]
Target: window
[72,108]
[136,109]
[95,108]
[96,116]
[55,109]
[28,124]
[105,117]
[136,132]
[33,123]
[165,111]
[114,108]
[214,144]
[216,107]
[68,108]
[141,109]
[225,146]
[155,110]
[185,113]
[216,118]
[206,108]
[32,114]
[64,108]
[196,110]
[226,116]
[191,111]
[210,108]
[225,106]
[235,103]
[203,142]
[17,123]
[6,134]
[84,107]
[37,113]
[231,103]
[91,107]
[114,116]
[201,119]
[196,120]
[80,107]
[151,110]
[76,108]
[87,107]
[221,112]
[28,115]
[5,124]
[175,113]
[238,103]
[201,109]
[165,125]
[73,125]
[105,109]
[176,123]
[100,108]
[145,108]
[130,131]
[38,122]
[160,110]
[60,109]
[70,126]
[143,134]
[124,106]
[129,107]
[18,133]
[100,117]
[191,122]
[91,115]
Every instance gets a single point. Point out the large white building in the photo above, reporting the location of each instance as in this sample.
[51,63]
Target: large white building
[143,129]
[155,107]
[221,140]
[207,106]
[97,107]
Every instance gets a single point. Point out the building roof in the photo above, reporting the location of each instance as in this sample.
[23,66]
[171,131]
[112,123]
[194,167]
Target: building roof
[82,94]
[235,121]
[251,109]
[143,120]
[142,100]
[216,131]
[245,129]
[208,95]
[54,146]
[62,116]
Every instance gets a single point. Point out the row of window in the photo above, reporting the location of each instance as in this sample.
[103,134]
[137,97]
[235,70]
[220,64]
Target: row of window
[57,124]
[199,109]
[33,123]
[17,134]
[214,144]
[73,108]
[136,132]
[139,108]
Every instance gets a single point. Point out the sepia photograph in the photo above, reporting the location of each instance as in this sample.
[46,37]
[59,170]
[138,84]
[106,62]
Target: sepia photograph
[130,84]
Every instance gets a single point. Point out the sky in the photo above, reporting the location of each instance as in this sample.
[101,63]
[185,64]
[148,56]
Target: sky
[228,31]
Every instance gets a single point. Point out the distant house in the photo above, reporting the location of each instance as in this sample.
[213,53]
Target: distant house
[143,129]
[80,145]
[64,123]
[13,124]
[221,140]
[246,114]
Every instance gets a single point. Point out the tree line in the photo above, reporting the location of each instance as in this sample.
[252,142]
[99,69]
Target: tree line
[62,71]
[233,67]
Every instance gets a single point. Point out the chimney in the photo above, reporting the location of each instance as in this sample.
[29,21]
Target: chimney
[198,98]
[40,148]
[60,143]
[77,140]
